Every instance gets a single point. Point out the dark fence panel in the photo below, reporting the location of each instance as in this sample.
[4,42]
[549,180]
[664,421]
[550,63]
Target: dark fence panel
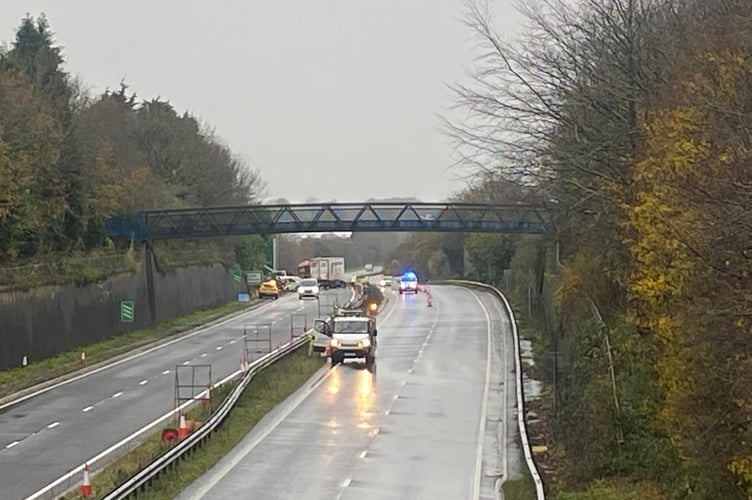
[45,321]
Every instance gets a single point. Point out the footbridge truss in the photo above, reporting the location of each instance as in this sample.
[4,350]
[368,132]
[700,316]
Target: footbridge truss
[328,217]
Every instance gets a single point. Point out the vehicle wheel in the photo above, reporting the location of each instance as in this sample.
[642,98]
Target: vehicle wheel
[337,359]
[370,361]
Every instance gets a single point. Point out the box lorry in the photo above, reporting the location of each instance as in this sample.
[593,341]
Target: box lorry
[329,271]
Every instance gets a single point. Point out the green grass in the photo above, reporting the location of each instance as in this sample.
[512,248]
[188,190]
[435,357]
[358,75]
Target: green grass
[268,388]
[616,490]
[519,489]
[17,379]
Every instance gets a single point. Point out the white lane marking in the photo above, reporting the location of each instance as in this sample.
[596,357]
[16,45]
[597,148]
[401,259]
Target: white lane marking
[234,317]
[87,409]
[410,370]
[387,412]
[484,405]
[170,415]
[165,372]
[143,382]
[53,425]
[233,341]
[11,445]
[363,454]
[236,458]
[396,396]
[203,355]
[186,361]
[117,394]
[375,431]
[403,382]
[346,482]
[219,347]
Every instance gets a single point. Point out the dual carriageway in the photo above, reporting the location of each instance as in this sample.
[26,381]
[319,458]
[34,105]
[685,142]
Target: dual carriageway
[436,418]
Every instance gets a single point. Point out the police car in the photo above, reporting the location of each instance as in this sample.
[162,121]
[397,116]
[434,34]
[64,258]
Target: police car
[408,283]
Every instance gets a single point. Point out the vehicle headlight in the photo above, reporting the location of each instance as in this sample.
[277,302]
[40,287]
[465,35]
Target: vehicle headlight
[365,343]
[334,343]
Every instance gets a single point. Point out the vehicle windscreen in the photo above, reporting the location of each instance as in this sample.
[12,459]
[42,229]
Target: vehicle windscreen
[345,326]
[308,283]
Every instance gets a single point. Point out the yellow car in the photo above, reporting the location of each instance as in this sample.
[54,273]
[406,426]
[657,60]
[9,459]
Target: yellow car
[269,289]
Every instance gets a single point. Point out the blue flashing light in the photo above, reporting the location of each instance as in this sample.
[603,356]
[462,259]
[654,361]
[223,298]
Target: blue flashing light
[409,276]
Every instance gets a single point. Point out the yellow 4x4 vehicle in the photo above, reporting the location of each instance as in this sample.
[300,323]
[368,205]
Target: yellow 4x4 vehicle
[269,289]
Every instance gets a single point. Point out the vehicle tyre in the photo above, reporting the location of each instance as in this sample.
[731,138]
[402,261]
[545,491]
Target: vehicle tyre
[370,361]
[337,359]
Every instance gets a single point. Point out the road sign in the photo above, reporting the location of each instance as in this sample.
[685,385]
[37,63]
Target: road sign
[269,251]
[254,277]
[127,311]
[237,275]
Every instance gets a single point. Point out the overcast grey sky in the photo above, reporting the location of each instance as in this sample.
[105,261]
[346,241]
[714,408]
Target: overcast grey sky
[335,99]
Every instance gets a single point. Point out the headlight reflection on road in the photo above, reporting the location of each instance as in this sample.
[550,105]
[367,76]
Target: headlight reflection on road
[333,382]
[366,399]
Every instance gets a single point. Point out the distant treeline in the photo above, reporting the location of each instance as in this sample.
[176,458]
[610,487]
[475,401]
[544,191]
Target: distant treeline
[69,159]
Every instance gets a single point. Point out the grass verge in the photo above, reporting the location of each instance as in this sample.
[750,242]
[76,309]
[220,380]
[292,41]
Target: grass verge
[519,489]
[17,379]
[268,388]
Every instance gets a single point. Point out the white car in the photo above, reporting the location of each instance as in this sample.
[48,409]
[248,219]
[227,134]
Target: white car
[408,283]
[308,288]
[291,283]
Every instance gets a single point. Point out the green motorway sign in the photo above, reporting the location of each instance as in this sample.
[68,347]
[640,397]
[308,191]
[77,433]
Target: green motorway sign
[237,275]
[254,277]
[127,311]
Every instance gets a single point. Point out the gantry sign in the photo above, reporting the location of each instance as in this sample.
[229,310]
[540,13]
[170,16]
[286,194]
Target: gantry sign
[328,217]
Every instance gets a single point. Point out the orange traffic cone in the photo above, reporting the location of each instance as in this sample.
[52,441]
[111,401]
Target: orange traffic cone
[183,428]
[82,360]
[86,485]
[24,362]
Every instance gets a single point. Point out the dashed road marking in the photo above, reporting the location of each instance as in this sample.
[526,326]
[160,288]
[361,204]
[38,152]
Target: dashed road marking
[219,347]
[143,382]
[117,394]
[165,372]
[87,409]
[11,445]
[363,454]
[186,361]
[203,355]
[346,482]
[53,425]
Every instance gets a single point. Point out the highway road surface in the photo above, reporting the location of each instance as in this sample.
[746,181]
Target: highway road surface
[46,436]
[434,419]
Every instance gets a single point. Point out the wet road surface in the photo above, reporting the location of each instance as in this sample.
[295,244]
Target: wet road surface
[413,428]
[44,437]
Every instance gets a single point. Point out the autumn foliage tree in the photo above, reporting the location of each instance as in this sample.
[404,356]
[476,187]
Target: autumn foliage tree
[634,116]
[68,159]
